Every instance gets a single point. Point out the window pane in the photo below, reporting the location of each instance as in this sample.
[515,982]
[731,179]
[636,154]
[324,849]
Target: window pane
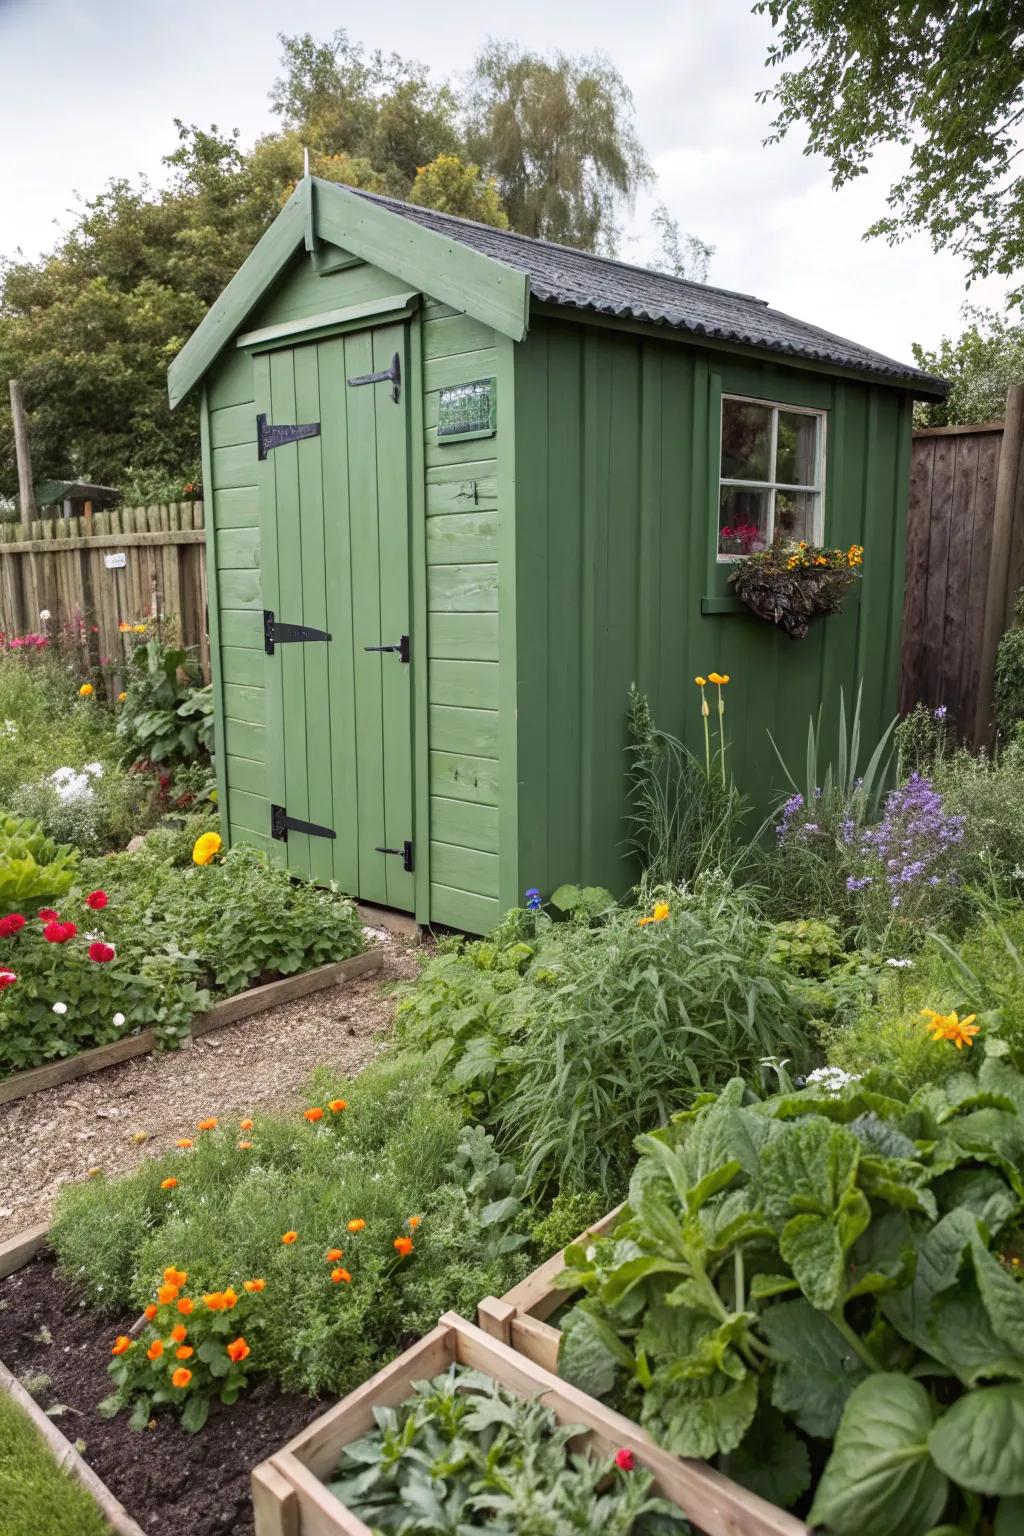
[742,520]
[746,440]
[796,515]
[796,454]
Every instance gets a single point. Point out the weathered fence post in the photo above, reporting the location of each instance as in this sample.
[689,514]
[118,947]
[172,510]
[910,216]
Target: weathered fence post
[999,599]
[23,454]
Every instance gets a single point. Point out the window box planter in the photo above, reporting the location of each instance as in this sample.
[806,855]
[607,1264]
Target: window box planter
[713,1502]
[290,1497]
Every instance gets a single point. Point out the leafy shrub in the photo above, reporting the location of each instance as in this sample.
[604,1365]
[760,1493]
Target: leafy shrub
[166,717]
[1009,690]
[92,809]
[808,947]
[825,1274]
[572,1211]
[988,793]
[382,1160]
[32,866]
[463,1442]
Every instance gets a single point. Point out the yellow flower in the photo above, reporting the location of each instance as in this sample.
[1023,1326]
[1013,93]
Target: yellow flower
[206,848]
[715,677]
[659,914]
[139,629]
[86,691]
[949,1026]
[121,698]
[700,681]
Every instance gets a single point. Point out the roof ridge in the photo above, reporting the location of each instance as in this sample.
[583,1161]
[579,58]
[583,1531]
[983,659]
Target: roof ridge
[555,245]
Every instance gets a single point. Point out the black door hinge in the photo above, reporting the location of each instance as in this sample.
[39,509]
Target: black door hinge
[281,824]
[404,853]
[276,633]
[268,437]
[392,376]
[402,648]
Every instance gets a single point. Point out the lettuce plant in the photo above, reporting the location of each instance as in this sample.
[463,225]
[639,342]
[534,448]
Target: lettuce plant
[823,1291]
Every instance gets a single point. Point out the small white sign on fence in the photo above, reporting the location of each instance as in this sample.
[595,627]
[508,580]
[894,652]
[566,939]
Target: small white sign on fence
[116,562]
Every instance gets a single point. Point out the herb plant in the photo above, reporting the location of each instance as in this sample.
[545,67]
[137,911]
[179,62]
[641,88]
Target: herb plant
[32,866]
[822,1290]
[464,1454]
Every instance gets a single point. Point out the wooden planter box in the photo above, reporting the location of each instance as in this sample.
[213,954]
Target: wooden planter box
[517,1321]
[290,1498]
[242,1006]
[15,1254]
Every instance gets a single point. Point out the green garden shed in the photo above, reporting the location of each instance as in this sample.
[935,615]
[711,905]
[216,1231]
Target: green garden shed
[463,488]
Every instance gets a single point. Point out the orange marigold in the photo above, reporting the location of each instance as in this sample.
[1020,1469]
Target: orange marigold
[185,1352]
[214,1301]
[181,1377]
[230,1298]
[167,1293]
[184,1141]
[338,1275]
[312,1115]
[245,1146]
[334,1254]
[156,1349]
[414,1221]
[150,1312]
[175,1276]
[246,1125]
[402,1246]
[337,1105]
[122,1345]
[357,1225]
[209,1124]
[168,1184]
[237,1350]
[289,1237]
[179,1333]
[185,1306]
[255,1285]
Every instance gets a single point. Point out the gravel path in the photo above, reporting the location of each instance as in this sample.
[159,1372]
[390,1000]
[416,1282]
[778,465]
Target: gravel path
[116,1117]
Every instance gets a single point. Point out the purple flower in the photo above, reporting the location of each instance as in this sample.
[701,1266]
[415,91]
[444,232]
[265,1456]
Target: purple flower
[534,900]
[857,882]
[941,712]
[794,804]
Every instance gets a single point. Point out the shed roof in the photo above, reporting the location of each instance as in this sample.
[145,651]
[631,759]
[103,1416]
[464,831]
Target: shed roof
[580,280]
[494,274]
[49,491]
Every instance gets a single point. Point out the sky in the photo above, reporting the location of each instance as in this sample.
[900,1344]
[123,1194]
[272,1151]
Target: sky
[91,88]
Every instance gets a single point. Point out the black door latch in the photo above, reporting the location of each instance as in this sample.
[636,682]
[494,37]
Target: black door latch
[402,648]
[392,376]
[404,853]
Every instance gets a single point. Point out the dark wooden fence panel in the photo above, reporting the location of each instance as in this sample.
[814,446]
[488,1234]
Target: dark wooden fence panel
[90,575]
[949,543]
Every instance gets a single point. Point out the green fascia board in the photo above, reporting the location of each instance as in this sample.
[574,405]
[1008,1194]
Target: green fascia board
[488,290]
[263,265]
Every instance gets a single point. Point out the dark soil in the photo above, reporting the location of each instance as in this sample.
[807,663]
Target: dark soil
[173,1483]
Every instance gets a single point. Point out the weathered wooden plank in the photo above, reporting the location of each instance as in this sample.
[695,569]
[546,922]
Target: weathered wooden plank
[140,539]
[243,666]
[463,909]
[243,739]
[472,493]
[465,538]
[245,773]
[242,703]
[462,636]
[238,549]
[444,335]
[241,589]
[470,731]
[977,584]
[234,467]
[462,588]
[440,372]
[461,777]
[464,869]
[242,627]
[233,424]
[464,823]
[17,1251]
[237,506]
[963,515]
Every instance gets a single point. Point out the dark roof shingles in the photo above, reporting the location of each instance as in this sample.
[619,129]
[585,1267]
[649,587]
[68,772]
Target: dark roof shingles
[560,275]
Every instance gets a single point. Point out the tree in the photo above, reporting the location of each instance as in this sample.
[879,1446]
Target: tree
[981,364]
[557,135]
[679,255]
[944,79]
[453,186]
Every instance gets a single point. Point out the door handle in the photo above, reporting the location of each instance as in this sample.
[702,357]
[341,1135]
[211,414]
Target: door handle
[402,648]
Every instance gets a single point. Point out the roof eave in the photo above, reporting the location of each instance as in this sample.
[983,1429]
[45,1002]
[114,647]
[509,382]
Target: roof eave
[488,290]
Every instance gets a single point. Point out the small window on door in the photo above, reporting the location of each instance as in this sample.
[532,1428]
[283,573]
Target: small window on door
[771,480]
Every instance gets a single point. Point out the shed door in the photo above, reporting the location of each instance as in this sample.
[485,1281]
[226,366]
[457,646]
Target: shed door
[335,559]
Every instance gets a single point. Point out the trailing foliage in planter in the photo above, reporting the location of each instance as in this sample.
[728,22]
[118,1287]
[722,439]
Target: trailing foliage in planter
[465,1453]
[823,1291]
[792,584]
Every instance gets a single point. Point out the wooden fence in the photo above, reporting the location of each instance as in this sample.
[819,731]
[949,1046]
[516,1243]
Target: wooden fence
[960,578]
[91,575]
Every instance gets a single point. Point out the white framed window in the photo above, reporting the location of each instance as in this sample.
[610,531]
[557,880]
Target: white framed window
[772,475]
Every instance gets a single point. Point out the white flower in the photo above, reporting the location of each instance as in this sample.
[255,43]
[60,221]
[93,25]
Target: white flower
[9,729]
[44,614]
[60,775]
[60,1008]
[832,1079]
[96,769]
[900,965]
[118,1020]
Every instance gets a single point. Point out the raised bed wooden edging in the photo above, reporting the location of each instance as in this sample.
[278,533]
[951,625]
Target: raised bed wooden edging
[242,1006]
[517,1321]
[290,1499]
[15,1253]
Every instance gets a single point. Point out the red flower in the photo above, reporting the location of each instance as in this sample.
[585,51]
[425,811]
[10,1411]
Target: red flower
[48,915]
[101,952]
[11,924]
[624,1460]
[97,900]
[69,931]
[59,933]
[7,979]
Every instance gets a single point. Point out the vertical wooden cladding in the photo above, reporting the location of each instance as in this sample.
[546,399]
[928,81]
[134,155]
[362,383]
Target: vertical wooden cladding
[616,488]
[462,529]
[949,542]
